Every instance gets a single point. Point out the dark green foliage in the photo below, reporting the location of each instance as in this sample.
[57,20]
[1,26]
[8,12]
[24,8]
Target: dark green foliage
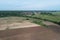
[46,13]
[27,19]
[10,13]
[33,14]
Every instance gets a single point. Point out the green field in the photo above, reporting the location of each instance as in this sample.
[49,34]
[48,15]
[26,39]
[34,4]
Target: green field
[48,17]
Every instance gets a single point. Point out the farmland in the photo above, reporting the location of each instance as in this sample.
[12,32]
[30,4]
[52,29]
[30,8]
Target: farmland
[29,25]
[51,16]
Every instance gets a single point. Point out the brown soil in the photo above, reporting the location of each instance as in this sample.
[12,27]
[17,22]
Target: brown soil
[33,33]
[52,26]
[28,31]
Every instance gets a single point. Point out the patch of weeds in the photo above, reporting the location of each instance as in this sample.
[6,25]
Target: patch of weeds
[40,23]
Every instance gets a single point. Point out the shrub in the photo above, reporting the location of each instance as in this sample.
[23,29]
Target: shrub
[27,19]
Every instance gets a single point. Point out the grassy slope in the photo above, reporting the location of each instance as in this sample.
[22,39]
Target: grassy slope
[48,17]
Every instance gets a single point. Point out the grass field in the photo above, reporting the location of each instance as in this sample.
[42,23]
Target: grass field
[48,17]
[51,18]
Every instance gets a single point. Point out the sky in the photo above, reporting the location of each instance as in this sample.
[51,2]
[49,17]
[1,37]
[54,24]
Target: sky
[29,4]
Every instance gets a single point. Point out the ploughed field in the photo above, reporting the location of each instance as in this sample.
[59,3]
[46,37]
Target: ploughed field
[17,28]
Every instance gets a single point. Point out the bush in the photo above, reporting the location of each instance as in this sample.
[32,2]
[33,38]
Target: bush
[27,19]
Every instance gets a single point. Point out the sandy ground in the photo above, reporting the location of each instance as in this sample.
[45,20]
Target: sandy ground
[17,25]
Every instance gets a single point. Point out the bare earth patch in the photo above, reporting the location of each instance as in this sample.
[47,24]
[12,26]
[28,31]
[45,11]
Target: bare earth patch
[17,29]
[52,26]
[32,33]
[23,24]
